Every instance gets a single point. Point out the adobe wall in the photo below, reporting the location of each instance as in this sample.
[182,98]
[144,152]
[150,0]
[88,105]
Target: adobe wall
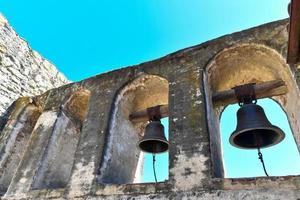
[195,159]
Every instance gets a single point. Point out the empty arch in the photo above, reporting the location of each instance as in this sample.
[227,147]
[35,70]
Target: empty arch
[15,137]
[57,162]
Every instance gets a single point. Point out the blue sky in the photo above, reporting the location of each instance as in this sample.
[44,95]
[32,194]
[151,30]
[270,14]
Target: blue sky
[85,38]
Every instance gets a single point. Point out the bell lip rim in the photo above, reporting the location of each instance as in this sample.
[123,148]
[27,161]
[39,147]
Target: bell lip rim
[164,141]
[251,148]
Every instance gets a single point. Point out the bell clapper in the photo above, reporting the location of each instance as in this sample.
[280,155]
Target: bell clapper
[154,173]
[260,157]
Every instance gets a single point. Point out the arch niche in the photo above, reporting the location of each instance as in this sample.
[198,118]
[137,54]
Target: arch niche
[243,64]
[122,161]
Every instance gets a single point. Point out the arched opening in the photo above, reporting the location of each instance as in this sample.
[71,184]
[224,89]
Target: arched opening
[278,158]
[122,162]
[15,137]
[240,65]
[58,158]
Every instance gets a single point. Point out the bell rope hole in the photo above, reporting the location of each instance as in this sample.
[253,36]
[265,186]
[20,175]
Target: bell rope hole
[281,159]
[122,161]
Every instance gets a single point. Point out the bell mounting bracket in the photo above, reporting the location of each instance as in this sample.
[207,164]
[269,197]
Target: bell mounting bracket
[245,94]
[154,113]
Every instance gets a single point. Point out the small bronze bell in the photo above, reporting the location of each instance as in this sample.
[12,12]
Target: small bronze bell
[254,130]
[154,140]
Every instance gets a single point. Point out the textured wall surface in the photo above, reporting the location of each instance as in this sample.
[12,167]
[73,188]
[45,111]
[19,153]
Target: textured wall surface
[23,72]
[195,157]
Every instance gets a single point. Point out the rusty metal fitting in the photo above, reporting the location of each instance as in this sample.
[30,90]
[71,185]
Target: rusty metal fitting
[154,113]
[245,94]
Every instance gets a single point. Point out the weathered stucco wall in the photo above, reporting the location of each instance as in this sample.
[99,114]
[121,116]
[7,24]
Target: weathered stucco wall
[23,72]
[192,160]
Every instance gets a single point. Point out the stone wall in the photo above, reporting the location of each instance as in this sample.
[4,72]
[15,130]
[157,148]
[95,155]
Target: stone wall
[195,157]
[23,72]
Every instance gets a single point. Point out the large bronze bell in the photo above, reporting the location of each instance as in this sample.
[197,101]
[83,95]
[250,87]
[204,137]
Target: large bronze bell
[254,130]
[154,140]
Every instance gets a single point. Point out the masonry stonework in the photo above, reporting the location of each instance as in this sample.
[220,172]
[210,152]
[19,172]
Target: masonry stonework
[23,72]
[195,156]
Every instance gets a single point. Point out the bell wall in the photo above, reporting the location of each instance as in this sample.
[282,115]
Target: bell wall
[101,143]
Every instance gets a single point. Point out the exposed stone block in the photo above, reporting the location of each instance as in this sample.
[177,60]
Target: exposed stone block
[18,64]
